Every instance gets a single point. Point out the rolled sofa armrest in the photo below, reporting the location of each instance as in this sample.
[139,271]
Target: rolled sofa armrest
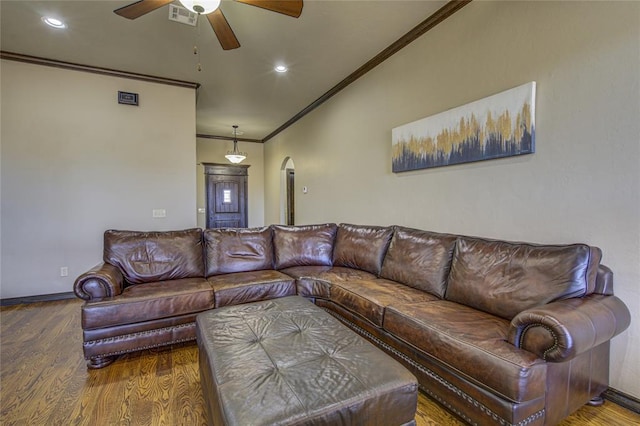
[559,331]
[103,280]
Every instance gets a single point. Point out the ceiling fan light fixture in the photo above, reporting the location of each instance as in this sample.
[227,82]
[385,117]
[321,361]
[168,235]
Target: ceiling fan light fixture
[235,156]
[201,7]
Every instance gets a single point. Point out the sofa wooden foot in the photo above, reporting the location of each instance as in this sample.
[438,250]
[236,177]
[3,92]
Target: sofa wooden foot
[100,362]
[596,401]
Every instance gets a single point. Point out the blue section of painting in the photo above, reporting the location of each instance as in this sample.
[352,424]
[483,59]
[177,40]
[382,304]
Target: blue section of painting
[465,152]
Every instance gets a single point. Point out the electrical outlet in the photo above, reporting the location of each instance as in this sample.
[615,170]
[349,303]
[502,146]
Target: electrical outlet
[64,271]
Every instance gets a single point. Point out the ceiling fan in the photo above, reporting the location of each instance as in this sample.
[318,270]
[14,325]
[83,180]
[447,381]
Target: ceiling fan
[211,9]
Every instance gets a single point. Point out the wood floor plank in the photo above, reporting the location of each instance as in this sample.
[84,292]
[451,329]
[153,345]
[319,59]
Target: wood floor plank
[44,380]
[189,405]
[36,366]
[69,397]
[53,380]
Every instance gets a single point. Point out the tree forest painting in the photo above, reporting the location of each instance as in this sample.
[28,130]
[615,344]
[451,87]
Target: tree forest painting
[498,126]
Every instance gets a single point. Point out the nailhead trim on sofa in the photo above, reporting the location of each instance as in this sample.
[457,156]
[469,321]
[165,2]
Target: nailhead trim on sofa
[439,379]
[555,339]
[142,333]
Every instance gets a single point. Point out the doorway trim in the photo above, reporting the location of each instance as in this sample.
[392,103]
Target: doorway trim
[287,167]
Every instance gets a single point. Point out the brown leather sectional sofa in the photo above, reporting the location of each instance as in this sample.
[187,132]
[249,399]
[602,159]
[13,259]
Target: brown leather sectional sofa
[499,332]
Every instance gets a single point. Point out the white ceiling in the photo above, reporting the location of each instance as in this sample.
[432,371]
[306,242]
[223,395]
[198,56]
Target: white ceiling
[330,40]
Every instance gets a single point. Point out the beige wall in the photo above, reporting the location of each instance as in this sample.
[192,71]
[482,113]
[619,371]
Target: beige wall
[213,151]
[75,163]
[582,184]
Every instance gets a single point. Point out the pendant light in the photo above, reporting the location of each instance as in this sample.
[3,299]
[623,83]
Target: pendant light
[235,156]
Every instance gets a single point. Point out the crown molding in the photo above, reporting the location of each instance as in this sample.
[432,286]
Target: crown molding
[227,138]
[437,17]
[18,57]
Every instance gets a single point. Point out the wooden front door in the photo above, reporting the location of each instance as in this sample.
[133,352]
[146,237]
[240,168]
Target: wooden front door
[226,191]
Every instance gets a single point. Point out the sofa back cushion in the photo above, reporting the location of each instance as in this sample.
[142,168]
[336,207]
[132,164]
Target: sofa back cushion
[361,247]
[238,250]
[310,245]
[155,256]
[505,278]
[419,259]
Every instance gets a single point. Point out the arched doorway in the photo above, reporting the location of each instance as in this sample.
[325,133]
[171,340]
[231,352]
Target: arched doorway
[287,192]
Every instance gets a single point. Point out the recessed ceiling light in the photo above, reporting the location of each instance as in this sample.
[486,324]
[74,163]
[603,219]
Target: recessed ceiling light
[53,22]
[281,68]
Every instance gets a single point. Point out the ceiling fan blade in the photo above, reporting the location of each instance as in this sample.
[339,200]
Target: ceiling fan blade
[139,8]
[223,30]
[286,7]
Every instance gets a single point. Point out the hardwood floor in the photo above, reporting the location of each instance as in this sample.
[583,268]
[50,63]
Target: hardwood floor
[44,379]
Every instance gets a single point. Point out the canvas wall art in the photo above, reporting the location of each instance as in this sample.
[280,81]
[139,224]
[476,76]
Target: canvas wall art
[498,126]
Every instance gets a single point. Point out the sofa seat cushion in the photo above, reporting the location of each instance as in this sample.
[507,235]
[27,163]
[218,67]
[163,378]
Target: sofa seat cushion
[244,287]
[315,281]
[145,302]
[471,342]
[369,298]
[147,257]
[361,247]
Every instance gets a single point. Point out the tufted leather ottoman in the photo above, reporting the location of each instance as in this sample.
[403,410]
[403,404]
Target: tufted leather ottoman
[287,362]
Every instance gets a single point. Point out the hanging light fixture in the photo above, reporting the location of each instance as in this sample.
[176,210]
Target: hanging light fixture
[201,7]
[235,156]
